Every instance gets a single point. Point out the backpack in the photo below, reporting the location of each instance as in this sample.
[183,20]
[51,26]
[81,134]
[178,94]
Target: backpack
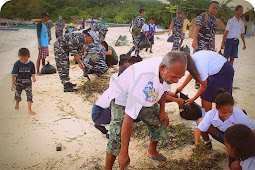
[190,112]
[48,69]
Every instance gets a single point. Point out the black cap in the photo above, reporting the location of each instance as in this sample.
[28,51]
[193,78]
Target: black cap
[45,14]
[180,11]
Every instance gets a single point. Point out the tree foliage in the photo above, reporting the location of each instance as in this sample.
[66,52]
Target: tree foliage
[118,11]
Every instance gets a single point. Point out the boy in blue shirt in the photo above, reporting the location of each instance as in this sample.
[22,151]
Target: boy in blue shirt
[22,72]
[43,41]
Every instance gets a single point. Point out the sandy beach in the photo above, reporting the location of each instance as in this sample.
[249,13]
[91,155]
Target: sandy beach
[30,141]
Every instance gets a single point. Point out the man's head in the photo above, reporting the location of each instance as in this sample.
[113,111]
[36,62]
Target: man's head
[60,18]
[185,15]
[153,20]
[134,17]
[24,55]
[239,11]
[180,13]
[213,8]
[173,67]
[45,17]
[142,12]
[91,36]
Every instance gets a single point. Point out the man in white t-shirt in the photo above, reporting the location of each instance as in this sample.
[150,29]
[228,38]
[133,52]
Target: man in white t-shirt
[137,93]
[230,40]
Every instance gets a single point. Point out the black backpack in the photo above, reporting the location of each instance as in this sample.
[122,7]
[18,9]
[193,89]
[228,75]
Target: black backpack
[190,112]
[48,69]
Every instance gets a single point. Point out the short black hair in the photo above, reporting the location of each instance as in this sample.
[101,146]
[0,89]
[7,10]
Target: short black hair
[185,13]
[153,19]
[124,59]
[141,11]
[24,52]
[214,2]
[105,45]
[223,98]
[238,7]
[242,140]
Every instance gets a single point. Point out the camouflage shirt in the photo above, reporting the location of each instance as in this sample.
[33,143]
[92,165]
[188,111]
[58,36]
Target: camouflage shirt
[71,42]
[178,24]
[59,26]
[208,31]
[95,48]
[139,21]
[99,27]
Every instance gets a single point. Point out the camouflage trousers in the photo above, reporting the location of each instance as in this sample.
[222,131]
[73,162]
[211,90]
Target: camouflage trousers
[149,115]
[204,44]
[23,84]
[176,44]
[63,65]
[136,41]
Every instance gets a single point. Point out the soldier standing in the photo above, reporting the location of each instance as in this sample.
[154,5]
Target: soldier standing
[101,29]
[60,25]
[72,42]
[136,32]
[205,29]
[176,26]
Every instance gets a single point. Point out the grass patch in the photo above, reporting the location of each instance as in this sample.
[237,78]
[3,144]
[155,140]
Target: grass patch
[90,89]
[178,135]
[202,159]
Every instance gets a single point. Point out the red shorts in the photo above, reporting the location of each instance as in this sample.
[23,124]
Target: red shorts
[43,53]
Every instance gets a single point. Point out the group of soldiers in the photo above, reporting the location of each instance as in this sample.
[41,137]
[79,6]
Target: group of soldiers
[87,50]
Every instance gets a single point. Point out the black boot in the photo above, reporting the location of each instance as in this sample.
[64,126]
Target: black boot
[68,87]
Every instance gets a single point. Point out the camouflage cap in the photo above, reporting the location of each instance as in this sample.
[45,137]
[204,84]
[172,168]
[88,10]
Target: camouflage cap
[93,35]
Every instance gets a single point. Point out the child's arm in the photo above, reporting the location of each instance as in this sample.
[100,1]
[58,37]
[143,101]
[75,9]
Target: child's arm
[170,97]
[196,136]
[33,77]
[13,82]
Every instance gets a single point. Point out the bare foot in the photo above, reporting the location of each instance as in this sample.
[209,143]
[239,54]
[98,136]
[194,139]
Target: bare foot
[38,74]
[17,106]
[157,157]
[31,112]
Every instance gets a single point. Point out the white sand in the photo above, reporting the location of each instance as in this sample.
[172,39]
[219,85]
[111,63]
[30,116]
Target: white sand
[30,141]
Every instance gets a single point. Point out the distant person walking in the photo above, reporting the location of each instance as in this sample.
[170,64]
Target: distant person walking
[136,32]
[60,25]
[230,40]
[186,23]
[205,29]
[176,27]
[132,24]
[152,30]
[43,41]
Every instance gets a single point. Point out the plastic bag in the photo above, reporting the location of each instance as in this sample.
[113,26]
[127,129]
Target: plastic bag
[48,69]
[190,112]
[144,42]
[171,38]
[185,49]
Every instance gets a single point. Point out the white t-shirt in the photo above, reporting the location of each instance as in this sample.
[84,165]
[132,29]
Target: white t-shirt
[208,63]
[145,28]
[139,86]
[212,118]
[105,99]
[235,27]
[248,164]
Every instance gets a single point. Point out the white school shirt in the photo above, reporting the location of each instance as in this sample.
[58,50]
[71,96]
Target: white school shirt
[145,28]
[208,63]
[212,118]
[105,99]
[139,86]
[235,27]
[248,164]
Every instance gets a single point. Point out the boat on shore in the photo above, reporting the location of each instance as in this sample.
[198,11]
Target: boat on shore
[8,28]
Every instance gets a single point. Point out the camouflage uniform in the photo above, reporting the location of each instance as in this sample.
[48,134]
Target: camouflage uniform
[59,28]
[72,42]
[48,25]
[178,24]
[95,60]
[23,84]
[101,29]
[149,115]
[139,21]
[206,33]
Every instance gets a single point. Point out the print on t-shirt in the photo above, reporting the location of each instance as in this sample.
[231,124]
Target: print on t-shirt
[150,93]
